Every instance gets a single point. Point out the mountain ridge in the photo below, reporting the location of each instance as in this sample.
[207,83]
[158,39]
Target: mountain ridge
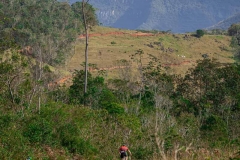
[225,24]
[175,15]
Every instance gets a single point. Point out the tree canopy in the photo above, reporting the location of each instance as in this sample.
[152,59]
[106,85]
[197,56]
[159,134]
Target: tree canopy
[49,27]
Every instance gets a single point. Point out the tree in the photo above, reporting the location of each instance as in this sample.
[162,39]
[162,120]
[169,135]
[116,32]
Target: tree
[86,13]
[86,44]
[47,25]
[234,29]
[210,92]
[95,87]
[199,33]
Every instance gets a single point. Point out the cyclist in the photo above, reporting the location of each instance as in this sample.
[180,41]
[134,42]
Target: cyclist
[123,151]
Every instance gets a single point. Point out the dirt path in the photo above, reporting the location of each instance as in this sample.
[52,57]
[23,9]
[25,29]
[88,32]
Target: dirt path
[68,79]
[116,33]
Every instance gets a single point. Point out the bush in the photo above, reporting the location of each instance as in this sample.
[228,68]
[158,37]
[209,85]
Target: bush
[114,108]
[199,33]
[142,153]
[214,129]
[70,138]
[4,121]
[95,87]
[106,98]
[234,29]
[38,131]
[12,143]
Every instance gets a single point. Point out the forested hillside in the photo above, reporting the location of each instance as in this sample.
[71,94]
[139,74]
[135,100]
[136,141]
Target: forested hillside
[156,114]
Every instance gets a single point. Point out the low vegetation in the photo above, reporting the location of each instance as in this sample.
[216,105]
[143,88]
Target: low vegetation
[159,115]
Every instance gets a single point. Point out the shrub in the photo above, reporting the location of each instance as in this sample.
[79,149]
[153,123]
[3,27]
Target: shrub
[38,131]
[215,130]
[234,29]
[199,33]
[142,153]
[70,138]
[95,86]
[106,98]
[114,108]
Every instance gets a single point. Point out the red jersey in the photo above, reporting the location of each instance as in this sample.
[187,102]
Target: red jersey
[123,148]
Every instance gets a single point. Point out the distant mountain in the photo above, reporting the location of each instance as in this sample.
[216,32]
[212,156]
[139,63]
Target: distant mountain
[176,15]
[225,24]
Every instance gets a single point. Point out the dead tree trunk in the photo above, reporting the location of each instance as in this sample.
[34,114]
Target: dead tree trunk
[86,44]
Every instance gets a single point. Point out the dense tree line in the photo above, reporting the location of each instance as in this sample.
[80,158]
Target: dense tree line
[48,27]
[159,116]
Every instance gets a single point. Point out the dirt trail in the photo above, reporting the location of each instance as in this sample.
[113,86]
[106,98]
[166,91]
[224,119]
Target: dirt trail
[116,33]
[65,79]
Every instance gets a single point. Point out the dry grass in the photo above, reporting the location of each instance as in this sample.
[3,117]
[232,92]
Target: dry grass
[176,51]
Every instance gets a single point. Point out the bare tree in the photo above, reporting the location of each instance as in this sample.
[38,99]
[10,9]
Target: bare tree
[163,121]
[84,3]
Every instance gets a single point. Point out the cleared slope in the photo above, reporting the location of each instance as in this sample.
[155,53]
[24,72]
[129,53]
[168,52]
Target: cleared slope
[177,51]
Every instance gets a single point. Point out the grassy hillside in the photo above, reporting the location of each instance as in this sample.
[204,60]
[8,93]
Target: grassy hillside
[158,115]
[177,51]
[44,121]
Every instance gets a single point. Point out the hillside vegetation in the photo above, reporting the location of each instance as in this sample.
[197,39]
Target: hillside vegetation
[134,96]
[176,52]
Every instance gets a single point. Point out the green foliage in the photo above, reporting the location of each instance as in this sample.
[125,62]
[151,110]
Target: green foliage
[147,101]
[39,131]
[114,108]
[109,102]
[214,130]
[95,87]
[91,17]
[12,139]
[15,78]
[234,30]
[234,42]
[216,100]
[107,97]
[199,33]
[206,100]
[212,117]
[202,78]
[69,136]
[76,89]
[217,32]
[13,143]
[113,42]
[5,120]
[48,27]
[142,153]
[7,39]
